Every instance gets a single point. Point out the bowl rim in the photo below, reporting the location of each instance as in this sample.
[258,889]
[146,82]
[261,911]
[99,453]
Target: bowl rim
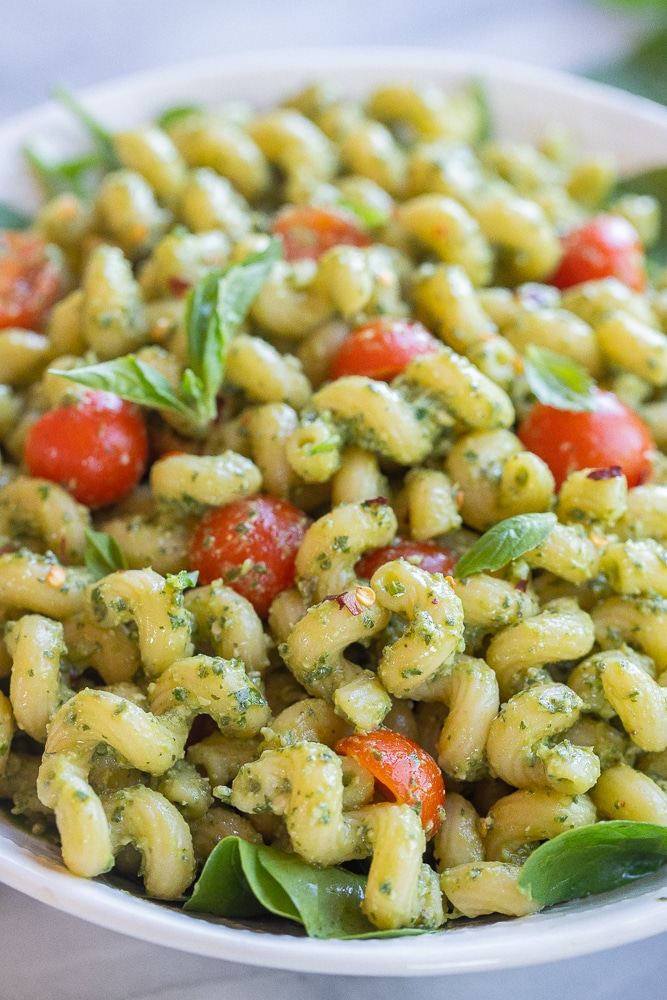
[33,868]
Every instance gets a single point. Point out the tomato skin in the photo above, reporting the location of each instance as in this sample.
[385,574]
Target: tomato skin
[30,280]
[612,434]
[402,768]
[605,246]
[96,447]
[261,531]
[427,555]
[382,348]
[308,231]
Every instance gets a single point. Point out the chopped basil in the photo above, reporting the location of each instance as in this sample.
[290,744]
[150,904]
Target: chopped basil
[216,306]
[12,218]
[182,580]
[102,138]
[243,880]
[558,381]
[593,859]
[172,116]
[504,542]
[103,554]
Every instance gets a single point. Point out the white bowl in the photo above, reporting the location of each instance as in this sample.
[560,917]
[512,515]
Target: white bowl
[524,101]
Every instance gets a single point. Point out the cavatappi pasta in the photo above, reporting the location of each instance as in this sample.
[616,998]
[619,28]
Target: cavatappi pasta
[146,715]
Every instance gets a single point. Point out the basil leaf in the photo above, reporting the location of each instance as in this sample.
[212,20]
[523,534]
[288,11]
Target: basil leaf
[102,138]
[11,218]
[103,554]
[132,379]
[78,175]
[593,859]
[241,879]
[478,91]
[172,116]
[654,183]
[506,541]
[558,381]
[215,308]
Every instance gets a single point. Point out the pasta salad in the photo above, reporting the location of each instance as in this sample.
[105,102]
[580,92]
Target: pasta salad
[333,513]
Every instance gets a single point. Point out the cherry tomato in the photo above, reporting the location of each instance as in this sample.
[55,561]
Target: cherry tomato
[610,435]
[96,447]
[403,769]
[308,231]
[427,555]
[606,246]
[251,545]
[381,349]
[30,280]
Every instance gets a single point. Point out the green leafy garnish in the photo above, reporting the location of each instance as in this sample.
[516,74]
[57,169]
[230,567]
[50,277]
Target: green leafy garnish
[504,542]
[593,859]
[172,116]
[558,381]
[182,581]
[643,71]
[368,215]
[242,880]
[82,173]
[216,307]
[478,91]
[12,218]
[103,554]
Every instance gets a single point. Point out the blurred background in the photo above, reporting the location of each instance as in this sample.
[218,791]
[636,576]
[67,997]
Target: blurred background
[82,42]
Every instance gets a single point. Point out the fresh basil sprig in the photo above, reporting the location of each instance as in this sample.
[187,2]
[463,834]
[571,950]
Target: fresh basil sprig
[504,542]
[12,218]
[216,307]
[241,880]
[558,381]
[103,554]
[593,859]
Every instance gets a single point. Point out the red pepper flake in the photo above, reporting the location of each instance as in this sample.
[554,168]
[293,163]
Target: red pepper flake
[347,600]
[178,286]
[612,472]
[376,502]
[521,585]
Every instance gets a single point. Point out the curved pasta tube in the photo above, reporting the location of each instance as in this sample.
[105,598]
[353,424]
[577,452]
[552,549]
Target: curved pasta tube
[157,540]
[193,482]
[153,604]
[294,143]
[359,477]
[290,303]
[112,311]
[264,373]
[6,730]
[498,478]
[625,793]
[180,259]
[481,887]
[636,567]
[147,820]
[561,631]
[521,747]
[377,417]
[304,783]
[530,815]
[644,515]
[639,701]
[470,690]
[224,146]
[38,509]
[426,109]
[361,280]
[370,150]
[443,226]
[314,654]
[128,214]
[490,604]
[641,622]
[229,623]
[332,545]
[458,839]
[31,582]
[269,427]
[112,652]
[428,499]
[460,387]
[591,501]
[150,152]
[313,720]
[568,553]
[36,688]
[433,635]
[208,201]
[313,449]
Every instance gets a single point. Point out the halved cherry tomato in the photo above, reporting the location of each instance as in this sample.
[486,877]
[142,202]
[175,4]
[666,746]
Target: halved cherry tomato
[610,435]
[427,555]
[30,280]
[403,769]
[251,545]
[382,348]
[606,246]
[96,447]
[308,231]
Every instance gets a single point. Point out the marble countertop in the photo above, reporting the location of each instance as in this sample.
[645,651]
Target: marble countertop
[46,953]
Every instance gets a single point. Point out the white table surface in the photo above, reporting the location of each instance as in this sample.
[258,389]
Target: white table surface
[48,954]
